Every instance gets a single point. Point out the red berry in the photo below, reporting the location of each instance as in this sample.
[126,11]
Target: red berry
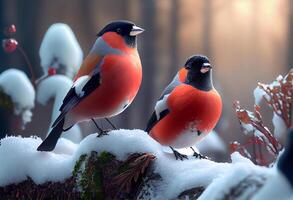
[51,71]
[9,45]
[10,30]
[234,146]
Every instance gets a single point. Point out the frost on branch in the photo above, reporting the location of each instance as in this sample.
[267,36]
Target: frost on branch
[253,120]
[278,96]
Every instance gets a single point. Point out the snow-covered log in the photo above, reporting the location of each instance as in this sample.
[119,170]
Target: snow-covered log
[125,164]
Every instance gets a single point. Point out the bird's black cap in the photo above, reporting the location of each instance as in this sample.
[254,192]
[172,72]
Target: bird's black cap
[121,27]
[196,60]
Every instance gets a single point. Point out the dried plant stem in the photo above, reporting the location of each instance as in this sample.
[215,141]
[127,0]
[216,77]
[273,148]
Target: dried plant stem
[272,140]
[22,52]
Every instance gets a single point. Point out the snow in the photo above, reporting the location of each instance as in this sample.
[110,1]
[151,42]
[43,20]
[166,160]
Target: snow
[26,161]
[56,87]
[60,43]
[277,187]
[236,157]
[221,186]
[16,84]
[248,128]
[19,159]
[258,95]
[118,142]
[177,176]
[280,127]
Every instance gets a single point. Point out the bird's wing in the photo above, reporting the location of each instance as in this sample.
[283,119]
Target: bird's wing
[177,80]
[161,108]
[81,88]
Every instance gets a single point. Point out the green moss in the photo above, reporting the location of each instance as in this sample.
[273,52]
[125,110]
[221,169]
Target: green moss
[77,166]
[89,179]
[105,157]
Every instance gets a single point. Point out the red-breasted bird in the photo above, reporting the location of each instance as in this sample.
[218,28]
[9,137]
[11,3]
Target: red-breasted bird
[106,83]
[188,108]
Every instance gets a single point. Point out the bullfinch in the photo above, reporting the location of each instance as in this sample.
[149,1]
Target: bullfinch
[188,108]
[106,83]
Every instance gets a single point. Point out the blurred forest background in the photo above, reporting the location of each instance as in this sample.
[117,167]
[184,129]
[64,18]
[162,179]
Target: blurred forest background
[248,41]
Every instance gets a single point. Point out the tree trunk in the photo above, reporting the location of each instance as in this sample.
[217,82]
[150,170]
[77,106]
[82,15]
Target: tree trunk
[290,35]
[148,55]
[174,29]
[207,27]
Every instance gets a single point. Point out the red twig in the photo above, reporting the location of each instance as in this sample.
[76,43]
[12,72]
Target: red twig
[279,97]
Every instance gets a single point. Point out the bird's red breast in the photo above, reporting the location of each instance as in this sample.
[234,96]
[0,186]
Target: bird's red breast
[189,107]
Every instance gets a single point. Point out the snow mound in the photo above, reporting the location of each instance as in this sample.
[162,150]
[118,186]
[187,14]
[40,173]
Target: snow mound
[16,84]
[61,50]
[56,87]
[240,177]
[177,176]
[277,187]
[19,160]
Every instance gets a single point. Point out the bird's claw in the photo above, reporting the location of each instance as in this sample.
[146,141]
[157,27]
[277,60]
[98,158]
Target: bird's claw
[103,133]
[198,155]
[179,155]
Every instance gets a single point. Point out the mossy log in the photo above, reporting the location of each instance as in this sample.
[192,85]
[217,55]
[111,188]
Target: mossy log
[102,176]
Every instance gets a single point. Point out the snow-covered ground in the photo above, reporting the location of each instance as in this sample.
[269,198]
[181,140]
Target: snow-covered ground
[18,87]
[177,175]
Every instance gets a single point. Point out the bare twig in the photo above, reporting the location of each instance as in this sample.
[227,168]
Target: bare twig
[22,52]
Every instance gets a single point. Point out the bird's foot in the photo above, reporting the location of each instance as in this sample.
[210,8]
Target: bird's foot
[198,155]
[179,155]
[103,133]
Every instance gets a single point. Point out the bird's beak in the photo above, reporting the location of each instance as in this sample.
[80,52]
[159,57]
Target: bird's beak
[205,67]
[136,31]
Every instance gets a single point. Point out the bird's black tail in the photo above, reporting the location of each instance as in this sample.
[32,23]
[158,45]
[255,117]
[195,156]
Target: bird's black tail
[50,142]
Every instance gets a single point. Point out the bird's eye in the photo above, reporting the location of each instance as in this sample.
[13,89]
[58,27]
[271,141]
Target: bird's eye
[118,30]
